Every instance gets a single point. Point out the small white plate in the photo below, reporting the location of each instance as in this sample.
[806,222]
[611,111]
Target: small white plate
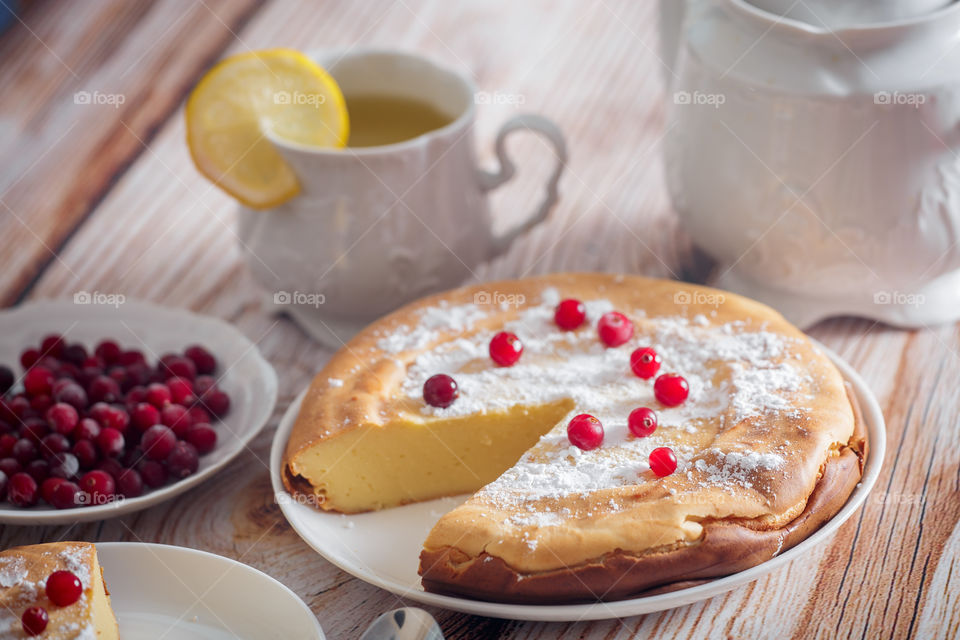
[249,380]
[383,547]
[159,591]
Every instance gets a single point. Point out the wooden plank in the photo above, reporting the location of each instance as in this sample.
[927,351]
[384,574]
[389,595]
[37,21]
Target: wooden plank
[80,87]
[162,233]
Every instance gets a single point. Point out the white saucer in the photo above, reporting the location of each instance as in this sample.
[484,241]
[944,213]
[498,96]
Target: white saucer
[160,591]
[249,380]
[383,547]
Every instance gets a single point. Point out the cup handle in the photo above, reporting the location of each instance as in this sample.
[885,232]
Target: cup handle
[492,179]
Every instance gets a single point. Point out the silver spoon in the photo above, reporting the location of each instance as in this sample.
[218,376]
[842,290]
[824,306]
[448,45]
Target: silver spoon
[408,623]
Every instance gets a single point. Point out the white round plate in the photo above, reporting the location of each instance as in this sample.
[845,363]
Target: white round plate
[383,547]
[160,591]
[249,380]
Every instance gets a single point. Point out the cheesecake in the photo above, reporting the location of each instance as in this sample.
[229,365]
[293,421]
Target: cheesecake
[24,576]
[755,440]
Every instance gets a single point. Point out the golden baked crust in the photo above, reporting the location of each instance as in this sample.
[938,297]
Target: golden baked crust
[767,416]
[725,547]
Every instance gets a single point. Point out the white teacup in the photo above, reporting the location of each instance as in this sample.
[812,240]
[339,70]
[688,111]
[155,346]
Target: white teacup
[376,227]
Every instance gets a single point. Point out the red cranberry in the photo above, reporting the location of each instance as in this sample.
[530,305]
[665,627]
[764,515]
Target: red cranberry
[64,465]
[63,417]
[505,349]
[41,403]
[108,351]
[63,588]
[662,461]
[129,483]
[29,358]
[614,328]
[52,345]
[25,450]
[203,437]
[144,416]
[88,429]
[671,389]
[131,357]
[38,381]
[181,391]
[136,395]
[202,359]
[203,385]
[48,486]
[86,453]
[112,466]
[10,466]
[99,412]
[6,379]
[217,402]
[54,443]
[645,362]
[115,418]
[440,390]
[38,469]
[110,442]
[34,429]
[199,415]
[122,378]
[99,486]
[157,442]
[642,422]
[153,473]
[570,314]
[67,495]
[74,353]
[585,431]
[7,441]
[177,418]
[103,389]
[158,395]
[34,621]
[70,393]
[183,460]
[173,365]
[22,490]
[19,406]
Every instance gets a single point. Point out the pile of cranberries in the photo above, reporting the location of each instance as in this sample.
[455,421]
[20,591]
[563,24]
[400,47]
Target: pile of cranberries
[83,428]
[585,431]
[63,589]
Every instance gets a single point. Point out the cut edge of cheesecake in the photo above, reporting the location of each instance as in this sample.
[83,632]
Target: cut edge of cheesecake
[438,459]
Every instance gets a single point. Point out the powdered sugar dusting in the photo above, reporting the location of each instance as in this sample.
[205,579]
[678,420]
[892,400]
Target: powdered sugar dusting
[737,371]
[12,571]
[430,321]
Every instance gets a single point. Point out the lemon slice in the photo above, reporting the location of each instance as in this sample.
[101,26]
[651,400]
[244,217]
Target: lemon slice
[243,98]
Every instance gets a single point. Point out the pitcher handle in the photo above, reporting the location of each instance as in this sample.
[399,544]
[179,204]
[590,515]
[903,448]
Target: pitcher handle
[492,179]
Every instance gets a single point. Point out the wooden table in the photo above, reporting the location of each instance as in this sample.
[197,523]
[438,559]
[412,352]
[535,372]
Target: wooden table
[102,197]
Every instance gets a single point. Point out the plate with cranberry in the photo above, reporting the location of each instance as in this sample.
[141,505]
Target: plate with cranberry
[105,410]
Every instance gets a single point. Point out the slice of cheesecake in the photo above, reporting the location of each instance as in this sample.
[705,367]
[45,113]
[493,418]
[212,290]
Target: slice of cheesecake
[23,575]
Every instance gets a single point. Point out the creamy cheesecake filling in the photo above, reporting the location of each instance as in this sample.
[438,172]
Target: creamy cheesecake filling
[374,466]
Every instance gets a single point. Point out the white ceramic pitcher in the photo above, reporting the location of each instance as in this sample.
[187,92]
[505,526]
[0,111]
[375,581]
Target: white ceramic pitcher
[820,166]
